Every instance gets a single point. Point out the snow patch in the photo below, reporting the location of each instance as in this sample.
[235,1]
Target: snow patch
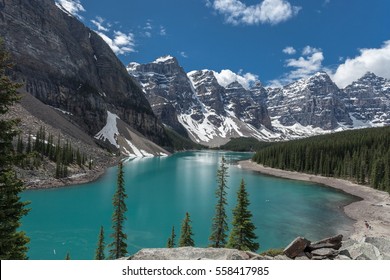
[110,130]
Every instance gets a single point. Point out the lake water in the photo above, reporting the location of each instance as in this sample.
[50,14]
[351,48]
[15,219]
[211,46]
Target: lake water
[161,190]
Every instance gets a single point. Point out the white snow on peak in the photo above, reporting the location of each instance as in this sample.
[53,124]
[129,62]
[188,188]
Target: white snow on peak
[110,130]
[132,66]
[163,59]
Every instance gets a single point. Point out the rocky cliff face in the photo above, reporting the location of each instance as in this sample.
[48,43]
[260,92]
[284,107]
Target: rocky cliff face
[68,66]
[197,105]
[368,100]
[211,113]
[311,102]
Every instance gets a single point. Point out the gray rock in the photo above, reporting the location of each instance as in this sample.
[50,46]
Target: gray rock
[296,247]
[342,258]
[325,252]
[348,243]
[368,99]
[282,257]
[381,243]
[313,101]
[68,66]
[345,253]
[190,253]
[364,251]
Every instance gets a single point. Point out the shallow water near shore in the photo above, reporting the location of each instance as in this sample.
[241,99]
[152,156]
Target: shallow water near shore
[161,190]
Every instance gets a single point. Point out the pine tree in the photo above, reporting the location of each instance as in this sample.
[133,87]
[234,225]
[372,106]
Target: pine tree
[171,239]
[99,255]
[119,245]
[12,242]
[243,234]
[219,227]
[186,233]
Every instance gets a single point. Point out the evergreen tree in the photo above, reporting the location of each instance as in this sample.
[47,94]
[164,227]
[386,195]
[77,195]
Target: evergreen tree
[29,147]
[12,242]
[219,227]
[242,236]
[99,255]
[171,239]
[119,245]
[186,233]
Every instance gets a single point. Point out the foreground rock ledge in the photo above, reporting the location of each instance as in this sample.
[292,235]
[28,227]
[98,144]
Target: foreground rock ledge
[333,248]
[193,253]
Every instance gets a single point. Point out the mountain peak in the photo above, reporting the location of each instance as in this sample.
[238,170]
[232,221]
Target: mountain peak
[370,76]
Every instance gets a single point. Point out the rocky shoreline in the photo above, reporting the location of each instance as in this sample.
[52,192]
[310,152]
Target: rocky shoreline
[371,213]
[83,177]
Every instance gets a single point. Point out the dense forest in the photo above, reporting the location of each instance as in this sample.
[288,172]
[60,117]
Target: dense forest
[362,156]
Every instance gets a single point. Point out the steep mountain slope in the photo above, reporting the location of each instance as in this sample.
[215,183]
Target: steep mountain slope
[308,106]
[68,66]
[195,104]
[35,115]
[368,100]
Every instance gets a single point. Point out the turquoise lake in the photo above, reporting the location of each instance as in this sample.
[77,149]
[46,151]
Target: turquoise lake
[161,190]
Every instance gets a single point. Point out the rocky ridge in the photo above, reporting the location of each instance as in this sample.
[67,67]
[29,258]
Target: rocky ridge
[196,105]
[211,113]
[69,67]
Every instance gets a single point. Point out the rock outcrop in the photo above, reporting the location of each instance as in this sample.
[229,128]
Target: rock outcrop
[70,67]
[332,248]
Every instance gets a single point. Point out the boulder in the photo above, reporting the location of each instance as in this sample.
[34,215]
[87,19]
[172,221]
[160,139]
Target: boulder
[190,253]
[296,247]
[325,253]
[381,243]
[333,242]
[363,251]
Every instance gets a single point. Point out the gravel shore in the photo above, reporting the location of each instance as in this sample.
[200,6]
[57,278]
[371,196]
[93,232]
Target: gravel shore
[373,208]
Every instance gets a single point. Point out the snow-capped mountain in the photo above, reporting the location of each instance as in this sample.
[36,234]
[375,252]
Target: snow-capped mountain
[313,103]
[368,101]
[196,104]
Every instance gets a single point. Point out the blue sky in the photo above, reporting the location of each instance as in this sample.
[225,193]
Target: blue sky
[275,41]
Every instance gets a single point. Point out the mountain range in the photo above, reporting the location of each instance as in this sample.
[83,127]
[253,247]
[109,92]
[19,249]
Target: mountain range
[69,69]
[197,105]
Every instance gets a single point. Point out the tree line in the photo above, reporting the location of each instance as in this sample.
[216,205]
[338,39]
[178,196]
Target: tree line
[361,156]
[42,146]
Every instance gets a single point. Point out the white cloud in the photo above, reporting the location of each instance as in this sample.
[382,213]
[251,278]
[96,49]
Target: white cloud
[308,64]
[148,25]
[121,43]
[267,11]
[310,50]
[226,77]
[369,60]
[184,54]
[99,23]
[73,7]
[289,50]
[163,31]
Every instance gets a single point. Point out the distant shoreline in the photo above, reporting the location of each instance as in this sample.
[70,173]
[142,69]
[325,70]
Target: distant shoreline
[373,208]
